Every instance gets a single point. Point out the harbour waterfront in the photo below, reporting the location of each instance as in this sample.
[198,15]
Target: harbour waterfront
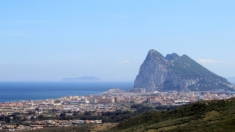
[16,91]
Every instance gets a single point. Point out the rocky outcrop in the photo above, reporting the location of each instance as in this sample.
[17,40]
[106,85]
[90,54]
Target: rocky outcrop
[175,72]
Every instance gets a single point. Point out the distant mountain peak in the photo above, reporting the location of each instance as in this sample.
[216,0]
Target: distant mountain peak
[172,56]
[175,72]
[153,52]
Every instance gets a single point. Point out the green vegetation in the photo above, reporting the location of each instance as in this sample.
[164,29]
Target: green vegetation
[80,128]
[187,68]
[204,116]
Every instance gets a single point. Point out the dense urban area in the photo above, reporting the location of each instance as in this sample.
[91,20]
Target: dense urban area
[114,105]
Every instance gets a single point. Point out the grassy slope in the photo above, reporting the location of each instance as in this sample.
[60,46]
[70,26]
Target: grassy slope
[79,128]
[201,116]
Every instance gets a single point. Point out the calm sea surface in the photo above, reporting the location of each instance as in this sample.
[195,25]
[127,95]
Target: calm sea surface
[15,91]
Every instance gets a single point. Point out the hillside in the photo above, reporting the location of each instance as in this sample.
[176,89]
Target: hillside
[202,116]
[79,128]
[175,72]
[216,116]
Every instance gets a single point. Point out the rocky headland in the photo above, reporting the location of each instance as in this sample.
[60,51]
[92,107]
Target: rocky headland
[174,72]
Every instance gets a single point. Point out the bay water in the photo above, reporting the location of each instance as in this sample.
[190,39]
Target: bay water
[16,91]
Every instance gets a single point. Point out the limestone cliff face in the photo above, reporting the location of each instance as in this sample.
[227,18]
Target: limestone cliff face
[168,73]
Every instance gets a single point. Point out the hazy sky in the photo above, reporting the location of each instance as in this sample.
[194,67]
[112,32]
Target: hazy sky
[47,40]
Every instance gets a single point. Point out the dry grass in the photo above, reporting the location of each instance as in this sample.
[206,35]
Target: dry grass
[211,114]
[102,127]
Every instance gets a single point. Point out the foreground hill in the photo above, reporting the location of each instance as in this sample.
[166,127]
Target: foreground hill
[79,128]
[175,72]
[204,116]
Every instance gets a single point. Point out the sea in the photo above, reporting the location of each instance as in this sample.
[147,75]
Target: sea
[17,91]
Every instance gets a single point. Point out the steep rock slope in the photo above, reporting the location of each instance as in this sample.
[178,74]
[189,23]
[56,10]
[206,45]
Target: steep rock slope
[175,72]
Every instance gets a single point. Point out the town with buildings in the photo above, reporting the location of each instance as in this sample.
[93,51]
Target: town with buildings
[30,112]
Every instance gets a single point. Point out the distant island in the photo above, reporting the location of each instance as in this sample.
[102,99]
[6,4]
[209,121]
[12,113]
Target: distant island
[83,79]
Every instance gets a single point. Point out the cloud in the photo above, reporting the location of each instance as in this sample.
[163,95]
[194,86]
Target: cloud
[13,33]
[17,33]
[122,16]
[25,21]
[208,61]
[2,63]
[92,63]
[230,62]
[125,62]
